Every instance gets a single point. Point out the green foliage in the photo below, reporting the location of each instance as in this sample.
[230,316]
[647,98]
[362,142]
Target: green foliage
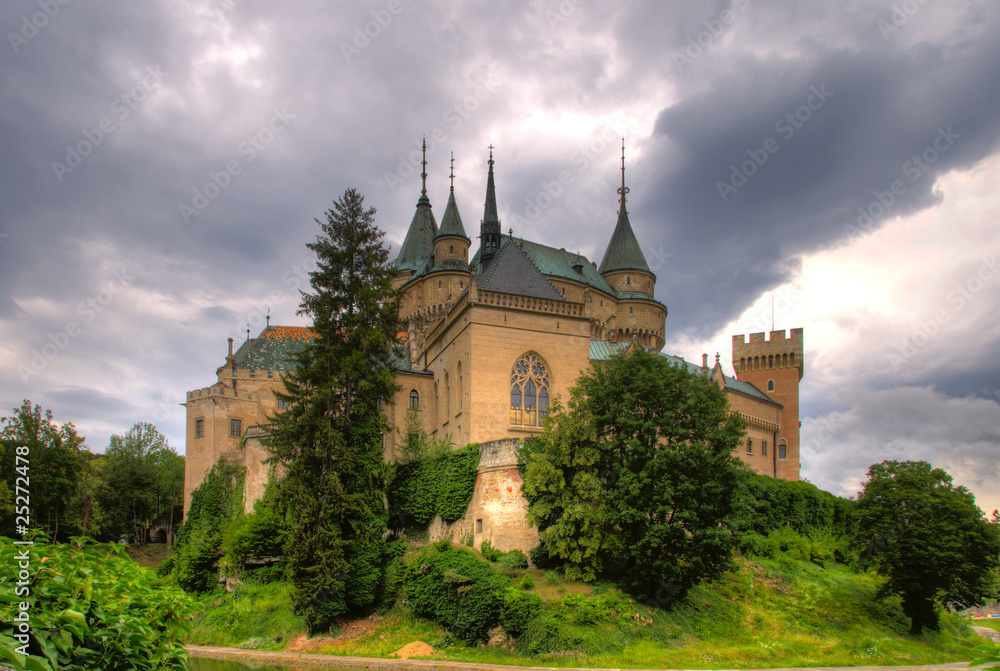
[927,537]
[55,458]
[217,501]
[517,610]
[330,438]
[987,654]
[262,533]
[456,589]
[527,582]
[635,481]
[255,615]
[436,485]
[90,607]
[768,504]
[144,480]
[575,621]
[489,553]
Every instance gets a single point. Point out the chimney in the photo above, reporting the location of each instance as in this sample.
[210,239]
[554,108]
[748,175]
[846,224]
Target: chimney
[704,364]
[230,347]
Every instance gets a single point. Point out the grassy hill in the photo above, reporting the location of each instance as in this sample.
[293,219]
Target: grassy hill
[772,612]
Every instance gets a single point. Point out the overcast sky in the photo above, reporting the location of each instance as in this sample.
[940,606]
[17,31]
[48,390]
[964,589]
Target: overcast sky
[163,164]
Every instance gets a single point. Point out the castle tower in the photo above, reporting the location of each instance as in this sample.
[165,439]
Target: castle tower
[489,228]
[419,242]
[451,244]
[775,367]
[624,267]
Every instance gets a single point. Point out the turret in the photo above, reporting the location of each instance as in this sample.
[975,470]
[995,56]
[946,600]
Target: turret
[624,267]
[418,246]
[451,244]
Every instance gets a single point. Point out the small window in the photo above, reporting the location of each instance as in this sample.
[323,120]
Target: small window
[630,309]
[770,385]
[253,373]
[451,249]
[749,445]
[235,428]
[763,448]
[479,526]
[782,450]
[439,284]
[199,428]
[270,374]
[628,280]
[282,404]
[461,284]
[414,400]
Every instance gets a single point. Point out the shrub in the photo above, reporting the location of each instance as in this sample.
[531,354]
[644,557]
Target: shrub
[518,610]
[515,560]
[456,589]
[92,607]
[438,485]
[527,582]
[489,553]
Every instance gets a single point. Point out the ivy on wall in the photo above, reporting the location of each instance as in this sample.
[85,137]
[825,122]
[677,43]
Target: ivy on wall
[439,485]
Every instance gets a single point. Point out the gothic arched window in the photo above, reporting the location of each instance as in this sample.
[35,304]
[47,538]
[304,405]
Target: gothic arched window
[529,391]
[414,400]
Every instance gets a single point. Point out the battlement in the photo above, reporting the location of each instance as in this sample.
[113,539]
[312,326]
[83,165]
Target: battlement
[765,353]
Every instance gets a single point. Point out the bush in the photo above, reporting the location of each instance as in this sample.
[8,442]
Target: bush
[515,560]
[489,553]
[518,610]
[92,607]
[527,582]
[456,589]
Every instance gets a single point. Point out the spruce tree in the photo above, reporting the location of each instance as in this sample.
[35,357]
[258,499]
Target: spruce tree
[329,441]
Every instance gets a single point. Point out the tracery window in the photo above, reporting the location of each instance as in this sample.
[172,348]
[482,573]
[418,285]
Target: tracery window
[414,400]
[529,391]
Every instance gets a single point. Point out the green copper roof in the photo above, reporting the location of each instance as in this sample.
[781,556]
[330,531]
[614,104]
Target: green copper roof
[623,252]
[419,243]
[557,263]
[274,349]
[451,222]
[602,350]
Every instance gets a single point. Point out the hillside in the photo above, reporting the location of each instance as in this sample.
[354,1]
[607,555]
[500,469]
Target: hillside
[772,612]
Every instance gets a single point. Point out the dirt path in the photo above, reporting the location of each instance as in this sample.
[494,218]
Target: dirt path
[377,664]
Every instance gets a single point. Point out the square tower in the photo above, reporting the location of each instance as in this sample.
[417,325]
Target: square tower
[775,366]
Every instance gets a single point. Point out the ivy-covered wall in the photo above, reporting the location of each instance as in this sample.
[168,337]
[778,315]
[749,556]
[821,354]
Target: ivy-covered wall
[440,485]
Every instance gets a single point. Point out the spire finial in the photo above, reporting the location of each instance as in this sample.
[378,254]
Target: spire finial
[452,176]
[491,156]
[423,175]
[624,190]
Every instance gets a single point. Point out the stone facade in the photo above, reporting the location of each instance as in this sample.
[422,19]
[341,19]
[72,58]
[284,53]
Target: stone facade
[490,342]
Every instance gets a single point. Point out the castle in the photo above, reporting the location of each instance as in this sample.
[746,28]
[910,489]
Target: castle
[490,341]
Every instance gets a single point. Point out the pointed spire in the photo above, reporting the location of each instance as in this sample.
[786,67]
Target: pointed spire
[423,174]
[451,221]
[623,252]
[489,231]
[418,246]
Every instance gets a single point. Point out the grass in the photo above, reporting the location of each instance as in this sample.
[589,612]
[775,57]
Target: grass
[257,617]
[989,622]
[770,613]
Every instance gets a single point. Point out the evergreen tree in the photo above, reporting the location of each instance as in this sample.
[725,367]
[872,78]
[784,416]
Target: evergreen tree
[329,441]
[927,537]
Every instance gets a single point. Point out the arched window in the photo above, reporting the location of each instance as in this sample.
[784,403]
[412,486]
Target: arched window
[770,361]
[414,400]
[460,384]
[749,445]
[529,391]
[447,395]
[782,449]
[770,385]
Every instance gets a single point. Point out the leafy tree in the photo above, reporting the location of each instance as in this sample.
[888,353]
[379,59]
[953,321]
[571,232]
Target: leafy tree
[55,459]
[330,438]
[635,481]
[927,537]
[145,481]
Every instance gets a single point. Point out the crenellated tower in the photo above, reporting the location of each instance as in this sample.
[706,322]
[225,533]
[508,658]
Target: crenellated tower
[775,366]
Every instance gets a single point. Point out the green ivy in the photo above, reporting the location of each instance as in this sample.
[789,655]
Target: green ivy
[441,485]
[214,505]
[90,607]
